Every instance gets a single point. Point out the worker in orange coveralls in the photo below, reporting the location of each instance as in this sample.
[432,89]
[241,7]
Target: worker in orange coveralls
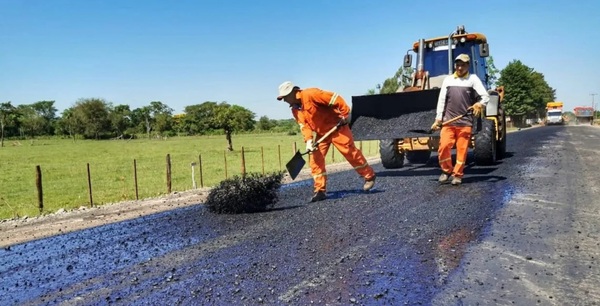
[460,92]
[319,111]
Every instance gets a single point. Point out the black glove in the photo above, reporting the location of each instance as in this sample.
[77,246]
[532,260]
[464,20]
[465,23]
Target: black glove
[344,121]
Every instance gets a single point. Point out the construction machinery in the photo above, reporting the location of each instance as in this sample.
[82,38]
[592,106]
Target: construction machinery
[398,119]
[554,113]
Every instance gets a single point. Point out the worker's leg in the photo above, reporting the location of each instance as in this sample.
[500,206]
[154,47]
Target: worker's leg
[344,142]
[316,160]
[447,140]
[463,137]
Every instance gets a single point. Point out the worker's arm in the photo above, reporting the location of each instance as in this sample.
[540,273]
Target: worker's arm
[331,99]
[481,91]
[307,133]
[441,101]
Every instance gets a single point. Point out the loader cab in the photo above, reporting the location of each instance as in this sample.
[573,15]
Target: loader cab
[438,64]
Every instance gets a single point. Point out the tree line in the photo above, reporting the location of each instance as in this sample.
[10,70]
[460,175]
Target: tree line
[526,95]
[95,118]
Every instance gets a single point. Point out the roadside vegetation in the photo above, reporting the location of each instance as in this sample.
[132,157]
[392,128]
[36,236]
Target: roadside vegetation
[109,137]
[63,165]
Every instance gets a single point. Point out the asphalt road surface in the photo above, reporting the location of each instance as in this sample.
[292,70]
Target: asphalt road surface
[525,231]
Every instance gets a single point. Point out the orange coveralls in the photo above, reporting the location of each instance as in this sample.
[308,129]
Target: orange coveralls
[320,111]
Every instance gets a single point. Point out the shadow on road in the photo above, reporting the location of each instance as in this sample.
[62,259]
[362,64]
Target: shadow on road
[340,194]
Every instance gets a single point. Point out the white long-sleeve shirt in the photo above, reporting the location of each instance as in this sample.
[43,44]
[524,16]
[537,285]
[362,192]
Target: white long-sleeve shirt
[457,94]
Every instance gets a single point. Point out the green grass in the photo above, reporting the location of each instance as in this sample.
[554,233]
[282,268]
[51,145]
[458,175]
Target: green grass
[64,163]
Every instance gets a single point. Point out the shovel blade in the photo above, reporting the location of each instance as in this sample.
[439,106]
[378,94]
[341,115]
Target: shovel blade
[295,165]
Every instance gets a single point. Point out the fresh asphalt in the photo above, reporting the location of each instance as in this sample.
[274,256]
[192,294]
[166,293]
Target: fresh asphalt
[525,231]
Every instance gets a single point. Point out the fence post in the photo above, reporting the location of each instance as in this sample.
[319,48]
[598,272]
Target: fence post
[169,173]
[193,164]
[38,184]
[135,179]
[279,154]
[333,154]
[262,157]
[360,145]
[225,159]
[243,163]
[200,170]
[89,176]
[294,148]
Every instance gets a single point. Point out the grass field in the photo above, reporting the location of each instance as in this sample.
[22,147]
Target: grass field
[63,164]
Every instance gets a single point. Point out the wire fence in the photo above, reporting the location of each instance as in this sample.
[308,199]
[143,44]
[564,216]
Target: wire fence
[204,171]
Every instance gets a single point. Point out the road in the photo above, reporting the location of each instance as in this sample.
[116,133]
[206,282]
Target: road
[525,231]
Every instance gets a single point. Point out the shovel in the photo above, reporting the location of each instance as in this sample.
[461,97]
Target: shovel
[295,165]
[468,113]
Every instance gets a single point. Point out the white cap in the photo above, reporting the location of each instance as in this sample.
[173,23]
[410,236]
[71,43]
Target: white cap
[463,57]
[284,89]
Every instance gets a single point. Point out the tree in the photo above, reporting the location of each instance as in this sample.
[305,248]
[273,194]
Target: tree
[120,119]
[208,116]
[178,123]
[542,93]
[66,123]
[91,117]
[265,124]
[401,78]
[492,72]
[29,122]
[526,91]
[162,117]
[8,114]
[141,120]
[36,119]
[198,118]
[232,118]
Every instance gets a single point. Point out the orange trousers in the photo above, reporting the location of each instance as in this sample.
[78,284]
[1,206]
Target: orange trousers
[451,135]
[342,139]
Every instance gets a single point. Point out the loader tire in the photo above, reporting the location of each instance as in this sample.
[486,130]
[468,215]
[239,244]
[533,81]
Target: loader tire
[418,157]
[501,143]
[484,150]
[391,158]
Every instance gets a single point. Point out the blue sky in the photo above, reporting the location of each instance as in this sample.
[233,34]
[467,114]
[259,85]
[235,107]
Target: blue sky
[187,52]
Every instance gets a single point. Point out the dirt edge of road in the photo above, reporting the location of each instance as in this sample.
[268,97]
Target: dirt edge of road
[21,230]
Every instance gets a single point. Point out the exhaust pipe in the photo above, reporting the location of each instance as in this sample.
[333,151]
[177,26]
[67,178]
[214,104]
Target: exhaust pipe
[450,61]
[420,55]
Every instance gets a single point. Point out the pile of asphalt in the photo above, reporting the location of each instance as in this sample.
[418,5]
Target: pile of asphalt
[414,124]
[245,194]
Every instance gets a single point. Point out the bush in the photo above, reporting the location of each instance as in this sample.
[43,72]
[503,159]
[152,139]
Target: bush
[247,194]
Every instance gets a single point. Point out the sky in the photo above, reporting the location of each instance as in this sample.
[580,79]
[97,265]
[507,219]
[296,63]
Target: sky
[186,52]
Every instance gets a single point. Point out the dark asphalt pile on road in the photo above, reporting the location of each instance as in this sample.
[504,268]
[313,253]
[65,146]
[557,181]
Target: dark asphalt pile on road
[407,125]
[248,194]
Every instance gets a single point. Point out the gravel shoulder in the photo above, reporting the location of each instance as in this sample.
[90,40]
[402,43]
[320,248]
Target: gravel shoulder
[15,231]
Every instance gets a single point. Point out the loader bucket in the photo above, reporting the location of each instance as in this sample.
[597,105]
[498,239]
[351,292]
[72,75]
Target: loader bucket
[393,116]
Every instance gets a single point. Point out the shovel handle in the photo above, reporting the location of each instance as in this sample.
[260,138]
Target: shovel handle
[469,112]
[333,129]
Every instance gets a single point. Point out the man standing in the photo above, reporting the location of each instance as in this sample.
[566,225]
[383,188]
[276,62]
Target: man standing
[319,111]
[460,92]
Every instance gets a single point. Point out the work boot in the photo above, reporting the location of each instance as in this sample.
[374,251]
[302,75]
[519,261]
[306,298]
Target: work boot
[456,181]
[318,196]
[444,177]
[369,184]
